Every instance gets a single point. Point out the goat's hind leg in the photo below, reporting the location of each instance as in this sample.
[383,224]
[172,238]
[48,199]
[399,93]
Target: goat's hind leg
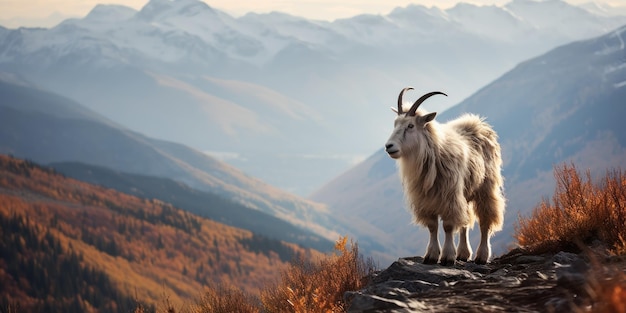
[449,249]
[490,213]
[484,248]
[433,250]
[464,251]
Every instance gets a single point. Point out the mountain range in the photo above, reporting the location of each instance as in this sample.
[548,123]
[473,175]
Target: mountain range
[563,106]
[281,97]
[48,128]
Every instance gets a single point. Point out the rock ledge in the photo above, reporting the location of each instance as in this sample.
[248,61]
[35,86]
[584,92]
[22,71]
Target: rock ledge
[515,282]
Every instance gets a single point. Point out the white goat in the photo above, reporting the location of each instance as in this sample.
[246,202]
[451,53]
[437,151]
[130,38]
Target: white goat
[449,171]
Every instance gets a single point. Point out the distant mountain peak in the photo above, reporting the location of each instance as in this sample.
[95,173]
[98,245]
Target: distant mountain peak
[156,9]
[110,13]
[604,9]
[193,7]
[542,4]
[536,1]
[153,8]
[417,10]
[272,16]
[462,5]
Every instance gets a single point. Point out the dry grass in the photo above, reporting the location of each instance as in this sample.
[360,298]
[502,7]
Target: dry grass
[305,286]
[580,212]
[226,299]
[319,286]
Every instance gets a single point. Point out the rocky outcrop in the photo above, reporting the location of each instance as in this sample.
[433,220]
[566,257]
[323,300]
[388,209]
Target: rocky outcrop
[515,282]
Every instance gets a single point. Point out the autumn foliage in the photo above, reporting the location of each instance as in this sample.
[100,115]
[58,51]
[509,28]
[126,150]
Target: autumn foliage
[305,286]
[319,286]
[139,249]
[125,253]
[580,212]
[584,213]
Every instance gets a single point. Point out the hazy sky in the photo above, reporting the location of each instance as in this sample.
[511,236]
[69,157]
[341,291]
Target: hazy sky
[31,11]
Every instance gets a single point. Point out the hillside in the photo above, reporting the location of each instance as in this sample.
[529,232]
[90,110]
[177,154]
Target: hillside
[563,106]
[46,128]
[112,247]
[204,204]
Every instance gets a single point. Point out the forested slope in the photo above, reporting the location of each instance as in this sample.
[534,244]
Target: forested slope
[74,247]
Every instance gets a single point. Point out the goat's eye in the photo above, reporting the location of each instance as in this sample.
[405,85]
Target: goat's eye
[410,126]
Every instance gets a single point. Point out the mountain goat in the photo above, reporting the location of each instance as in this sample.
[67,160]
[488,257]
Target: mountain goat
[449,171]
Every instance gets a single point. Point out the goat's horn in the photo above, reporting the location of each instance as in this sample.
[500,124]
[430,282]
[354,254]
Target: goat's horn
[419,101]
[400,99]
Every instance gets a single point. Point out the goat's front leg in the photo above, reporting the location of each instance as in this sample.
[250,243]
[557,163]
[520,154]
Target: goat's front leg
[449,249]
[433,250]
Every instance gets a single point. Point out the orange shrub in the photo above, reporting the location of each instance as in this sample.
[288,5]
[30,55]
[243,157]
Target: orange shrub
[580,212]
[308,286]
[305,286]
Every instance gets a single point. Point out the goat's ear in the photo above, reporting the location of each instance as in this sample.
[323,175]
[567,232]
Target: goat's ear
[428,117]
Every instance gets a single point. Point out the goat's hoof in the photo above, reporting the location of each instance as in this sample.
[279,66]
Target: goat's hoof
[429,260]
[480,262]
[447,262]
[460,258]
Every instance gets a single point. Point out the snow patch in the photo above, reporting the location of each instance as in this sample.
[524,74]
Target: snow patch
[611,69]
[619,85]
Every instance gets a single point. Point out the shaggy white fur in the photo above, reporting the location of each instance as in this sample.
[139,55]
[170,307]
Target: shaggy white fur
[449,171]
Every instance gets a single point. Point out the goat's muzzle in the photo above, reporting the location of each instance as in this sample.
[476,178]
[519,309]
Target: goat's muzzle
[392,150]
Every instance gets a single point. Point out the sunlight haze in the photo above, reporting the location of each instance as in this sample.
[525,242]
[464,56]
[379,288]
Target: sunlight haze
[47,13]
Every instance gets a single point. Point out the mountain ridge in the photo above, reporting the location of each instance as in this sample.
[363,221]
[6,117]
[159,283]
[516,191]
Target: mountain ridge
[29,131]
[204,204]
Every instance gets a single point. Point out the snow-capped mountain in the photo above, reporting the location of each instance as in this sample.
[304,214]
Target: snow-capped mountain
[603,9]
[109,14]
[558,17]
[274,89]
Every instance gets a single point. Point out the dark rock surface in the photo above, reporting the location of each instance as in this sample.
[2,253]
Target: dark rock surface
[515,282]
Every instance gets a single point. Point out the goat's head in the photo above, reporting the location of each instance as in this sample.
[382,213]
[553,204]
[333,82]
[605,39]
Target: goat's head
[409,126]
